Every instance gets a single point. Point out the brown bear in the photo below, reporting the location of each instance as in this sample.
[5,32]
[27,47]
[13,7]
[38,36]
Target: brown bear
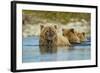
[81,35]
[49,36]
[71,34]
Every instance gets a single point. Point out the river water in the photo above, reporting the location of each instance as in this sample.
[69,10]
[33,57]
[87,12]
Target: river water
[31,52]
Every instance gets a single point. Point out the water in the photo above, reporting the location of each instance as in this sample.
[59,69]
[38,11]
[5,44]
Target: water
[31,52]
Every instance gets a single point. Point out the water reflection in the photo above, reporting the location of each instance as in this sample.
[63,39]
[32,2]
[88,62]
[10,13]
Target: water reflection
[48,49]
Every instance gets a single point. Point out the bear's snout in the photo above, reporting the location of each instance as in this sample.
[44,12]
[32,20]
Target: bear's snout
[49,35]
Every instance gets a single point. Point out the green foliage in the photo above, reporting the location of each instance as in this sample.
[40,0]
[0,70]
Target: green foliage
[61,17]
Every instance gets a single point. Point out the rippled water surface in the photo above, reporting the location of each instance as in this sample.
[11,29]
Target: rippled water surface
[31,52]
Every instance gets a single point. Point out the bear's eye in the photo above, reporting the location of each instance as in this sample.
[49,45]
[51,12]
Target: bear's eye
[63,34]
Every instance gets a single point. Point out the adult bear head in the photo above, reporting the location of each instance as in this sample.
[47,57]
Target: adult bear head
[48,34]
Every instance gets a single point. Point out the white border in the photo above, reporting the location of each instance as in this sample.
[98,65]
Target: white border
[35,65]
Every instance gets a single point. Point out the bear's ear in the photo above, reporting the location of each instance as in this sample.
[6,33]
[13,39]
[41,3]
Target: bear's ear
[63,29]
[55,26]
[72,30]
[83,33]
[41,26]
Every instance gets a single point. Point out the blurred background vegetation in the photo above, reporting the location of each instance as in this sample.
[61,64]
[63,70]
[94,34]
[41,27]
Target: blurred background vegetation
[33,17]
[32,20]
